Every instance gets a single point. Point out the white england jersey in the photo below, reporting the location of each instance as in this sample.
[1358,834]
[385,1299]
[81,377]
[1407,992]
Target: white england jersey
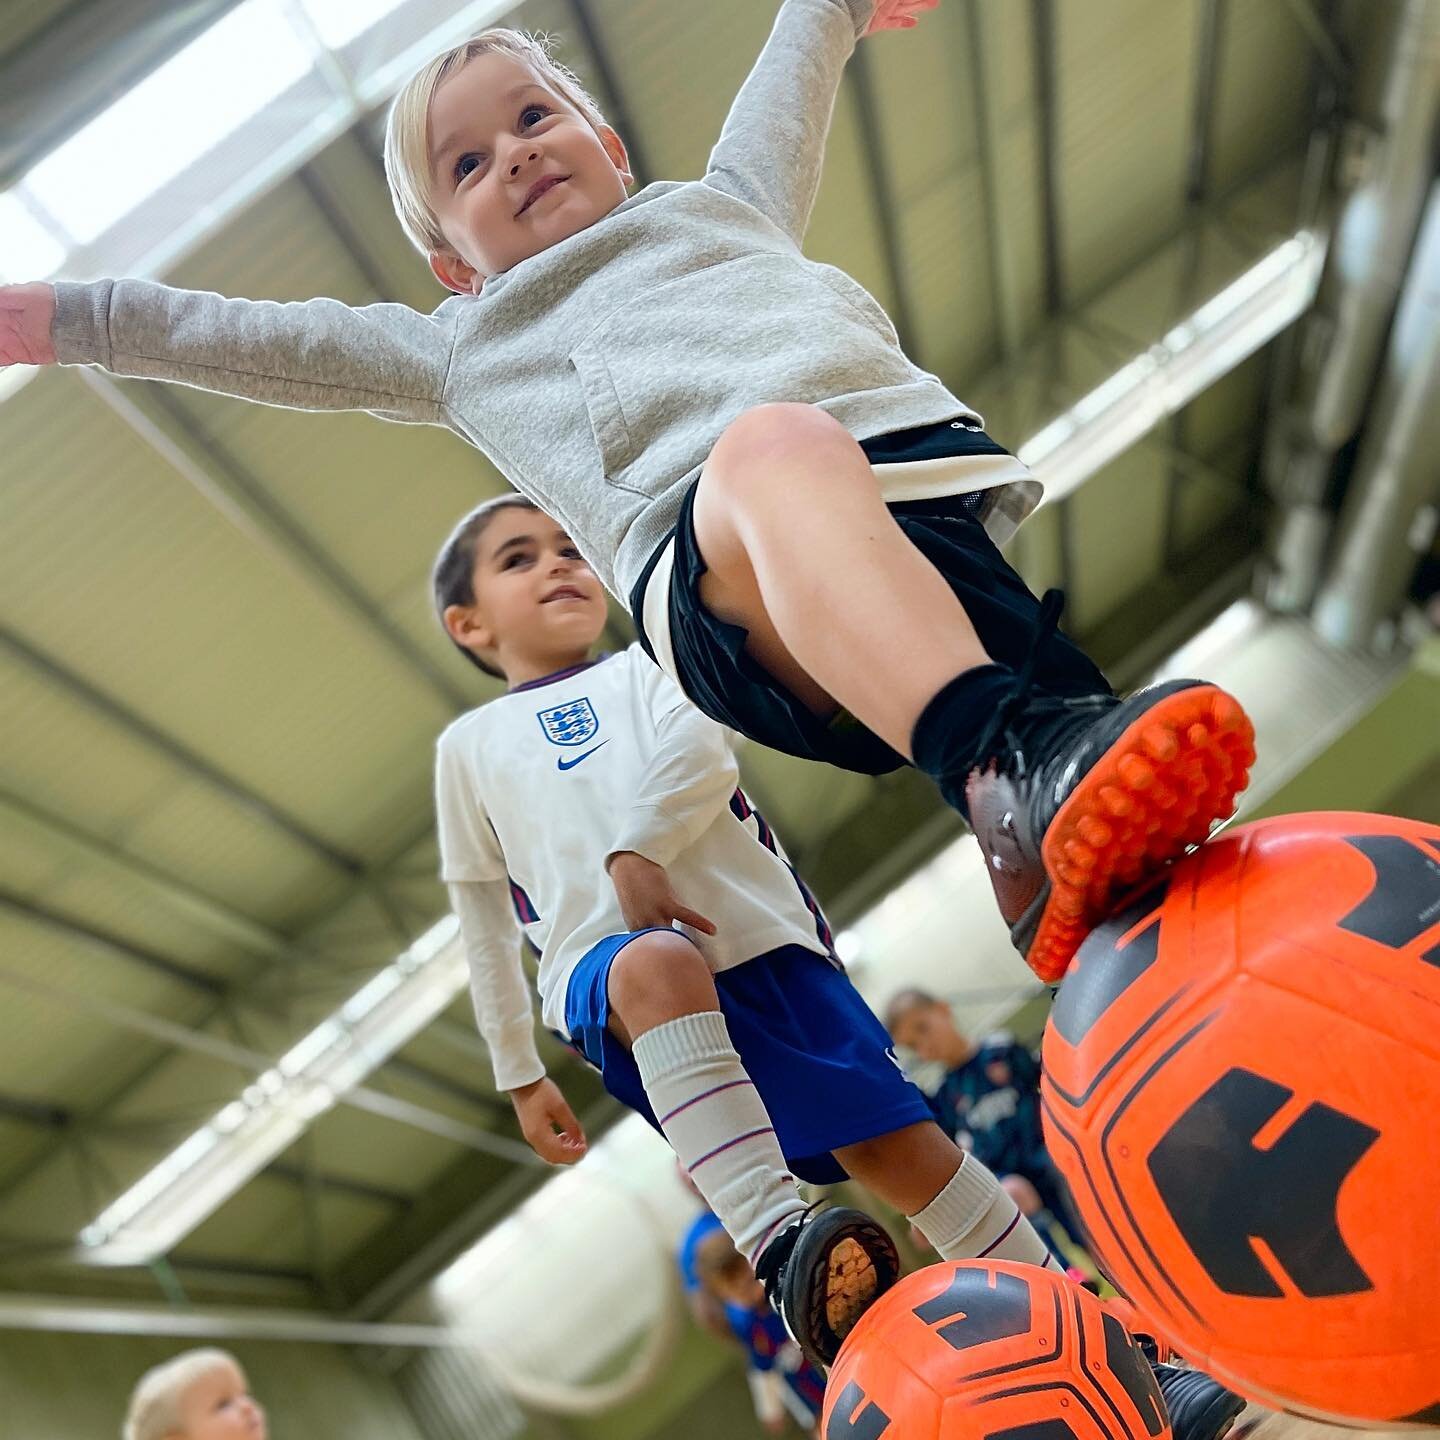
[536,789]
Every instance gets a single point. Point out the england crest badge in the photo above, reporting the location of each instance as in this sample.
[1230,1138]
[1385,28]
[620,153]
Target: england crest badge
[572,724]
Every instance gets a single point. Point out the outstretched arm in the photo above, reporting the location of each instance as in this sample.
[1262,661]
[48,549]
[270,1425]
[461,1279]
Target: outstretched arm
[309,355]
[770,152]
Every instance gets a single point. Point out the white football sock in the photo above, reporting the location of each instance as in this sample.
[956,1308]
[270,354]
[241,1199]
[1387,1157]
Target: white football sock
[973,1218]
[718,1127]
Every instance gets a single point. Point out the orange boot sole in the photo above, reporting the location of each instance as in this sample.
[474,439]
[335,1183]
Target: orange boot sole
[1154,795]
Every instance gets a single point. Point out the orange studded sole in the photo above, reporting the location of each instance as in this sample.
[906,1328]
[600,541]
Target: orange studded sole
[1154,795]
[853,1283]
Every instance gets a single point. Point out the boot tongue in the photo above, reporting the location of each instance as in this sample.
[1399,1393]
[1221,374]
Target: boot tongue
[1002,722]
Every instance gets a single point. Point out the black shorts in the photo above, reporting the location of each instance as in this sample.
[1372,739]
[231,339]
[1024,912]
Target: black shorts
[731,687]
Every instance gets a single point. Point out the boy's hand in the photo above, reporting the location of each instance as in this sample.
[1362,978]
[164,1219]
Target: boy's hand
[548,1123]
[898,14]
[26,312]
[646,899]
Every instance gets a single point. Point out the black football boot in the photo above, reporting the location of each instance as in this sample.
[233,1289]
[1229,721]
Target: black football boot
[822,1273]
[1077,800]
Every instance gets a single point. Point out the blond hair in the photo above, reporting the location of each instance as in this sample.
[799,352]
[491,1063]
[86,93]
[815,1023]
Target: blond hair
[407,130]
[155,1402]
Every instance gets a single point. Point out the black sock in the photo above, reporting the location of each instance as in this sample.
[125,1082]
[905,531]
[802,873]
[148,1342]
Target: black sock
[946,738]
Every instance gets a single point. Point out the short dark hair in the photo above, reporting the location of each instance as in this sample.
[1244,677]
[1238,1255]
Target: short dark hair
[904,1001]
[452,580]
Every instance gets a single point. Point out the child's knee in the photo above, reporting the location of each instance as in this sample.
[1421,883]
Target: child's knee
[1023,1193]
[775,434]
[655,964]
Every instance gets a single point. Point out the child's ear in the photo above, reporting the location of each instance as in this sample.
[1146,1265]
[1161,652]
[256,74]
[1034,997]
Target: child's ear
[466,627]
[615,149]
[455,273]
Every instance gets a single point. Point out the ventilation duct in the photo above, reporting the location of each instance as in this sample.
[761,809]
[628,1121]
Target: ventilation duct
[1343,342]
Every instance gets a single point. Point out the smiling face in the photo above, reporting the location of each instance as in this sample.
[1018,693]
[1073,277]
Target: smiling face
[538,606]
[217,1405]
[514,169]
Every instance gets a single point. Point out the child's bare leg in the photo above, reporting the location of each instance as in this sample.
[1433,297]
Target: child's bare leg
[950,1197]
[665,1009]
[1075,797]
[844,587]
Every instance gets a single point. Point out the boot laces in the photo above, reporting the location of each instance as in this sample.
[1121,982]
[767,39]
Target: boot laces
[1046,717]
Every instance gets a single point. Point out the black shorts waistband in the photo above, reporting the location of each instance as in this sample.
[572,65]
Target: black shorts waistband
[944,440]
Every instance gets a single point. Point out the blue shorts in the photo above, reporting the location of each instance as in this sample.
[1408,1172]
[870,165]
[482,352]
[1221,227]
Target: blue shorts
[821,1061]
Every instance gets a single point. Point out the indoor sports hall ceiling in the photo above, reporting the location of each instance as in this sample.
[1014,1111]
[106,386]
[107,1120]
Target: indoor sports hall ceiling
[220,682]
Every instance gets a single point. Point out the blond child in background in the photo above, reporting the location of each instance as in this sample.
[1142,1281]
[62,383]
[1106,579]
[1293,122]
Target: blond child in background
[199,1395]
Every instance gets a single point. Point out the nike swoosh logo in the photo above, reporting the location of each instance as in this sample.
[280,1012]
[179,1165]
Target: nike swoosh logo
[571,764]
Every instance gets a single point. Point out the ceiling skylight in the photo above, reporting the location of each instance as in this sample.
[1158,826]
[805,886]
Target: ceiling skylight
[170,119]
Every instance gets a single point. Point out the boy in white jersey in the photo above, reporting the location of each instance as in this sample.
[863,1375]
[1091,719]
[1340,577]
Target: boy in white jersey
[598,807]
[802,521]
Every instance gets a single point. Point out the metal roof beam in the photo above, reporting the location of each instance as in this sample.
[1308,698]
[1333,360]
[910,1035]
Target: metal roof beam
[452,1214]
[1042,14]
[995,198]
[340,1184]
[37,1113]
[110,943]
[619,116]
[346,183]
[1321,35]
[444,1085]
[162,423]
[196,1042]
[79,1316]
[178,753]
[886,208]
[1197,196]
[215,916]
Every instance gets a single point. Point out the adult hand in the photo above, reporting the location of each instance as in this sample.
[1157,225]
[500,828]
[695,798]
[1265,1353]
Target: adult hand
[26,313]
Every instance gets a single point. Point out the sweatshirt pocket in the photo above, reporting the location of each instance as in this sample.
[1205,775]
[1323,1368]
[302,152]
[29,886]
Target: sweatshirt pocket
[670,367]
[602,401]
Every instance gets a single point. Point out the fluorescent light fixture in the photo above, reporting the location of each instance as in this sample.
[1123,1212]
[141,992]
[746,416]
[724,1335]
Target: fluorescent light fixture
[28,251]
[1209,343]
[210,1165]
[261,92]
[170,119]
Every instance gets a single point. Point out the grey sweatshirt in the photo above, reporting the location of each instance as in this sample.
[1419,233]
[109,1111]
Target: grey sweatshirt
[598,374]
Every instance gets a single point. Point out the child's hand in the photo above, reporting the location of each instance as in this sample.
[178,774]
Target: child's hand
[646,899]
[26,312]
[898,14]
[548,1123]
